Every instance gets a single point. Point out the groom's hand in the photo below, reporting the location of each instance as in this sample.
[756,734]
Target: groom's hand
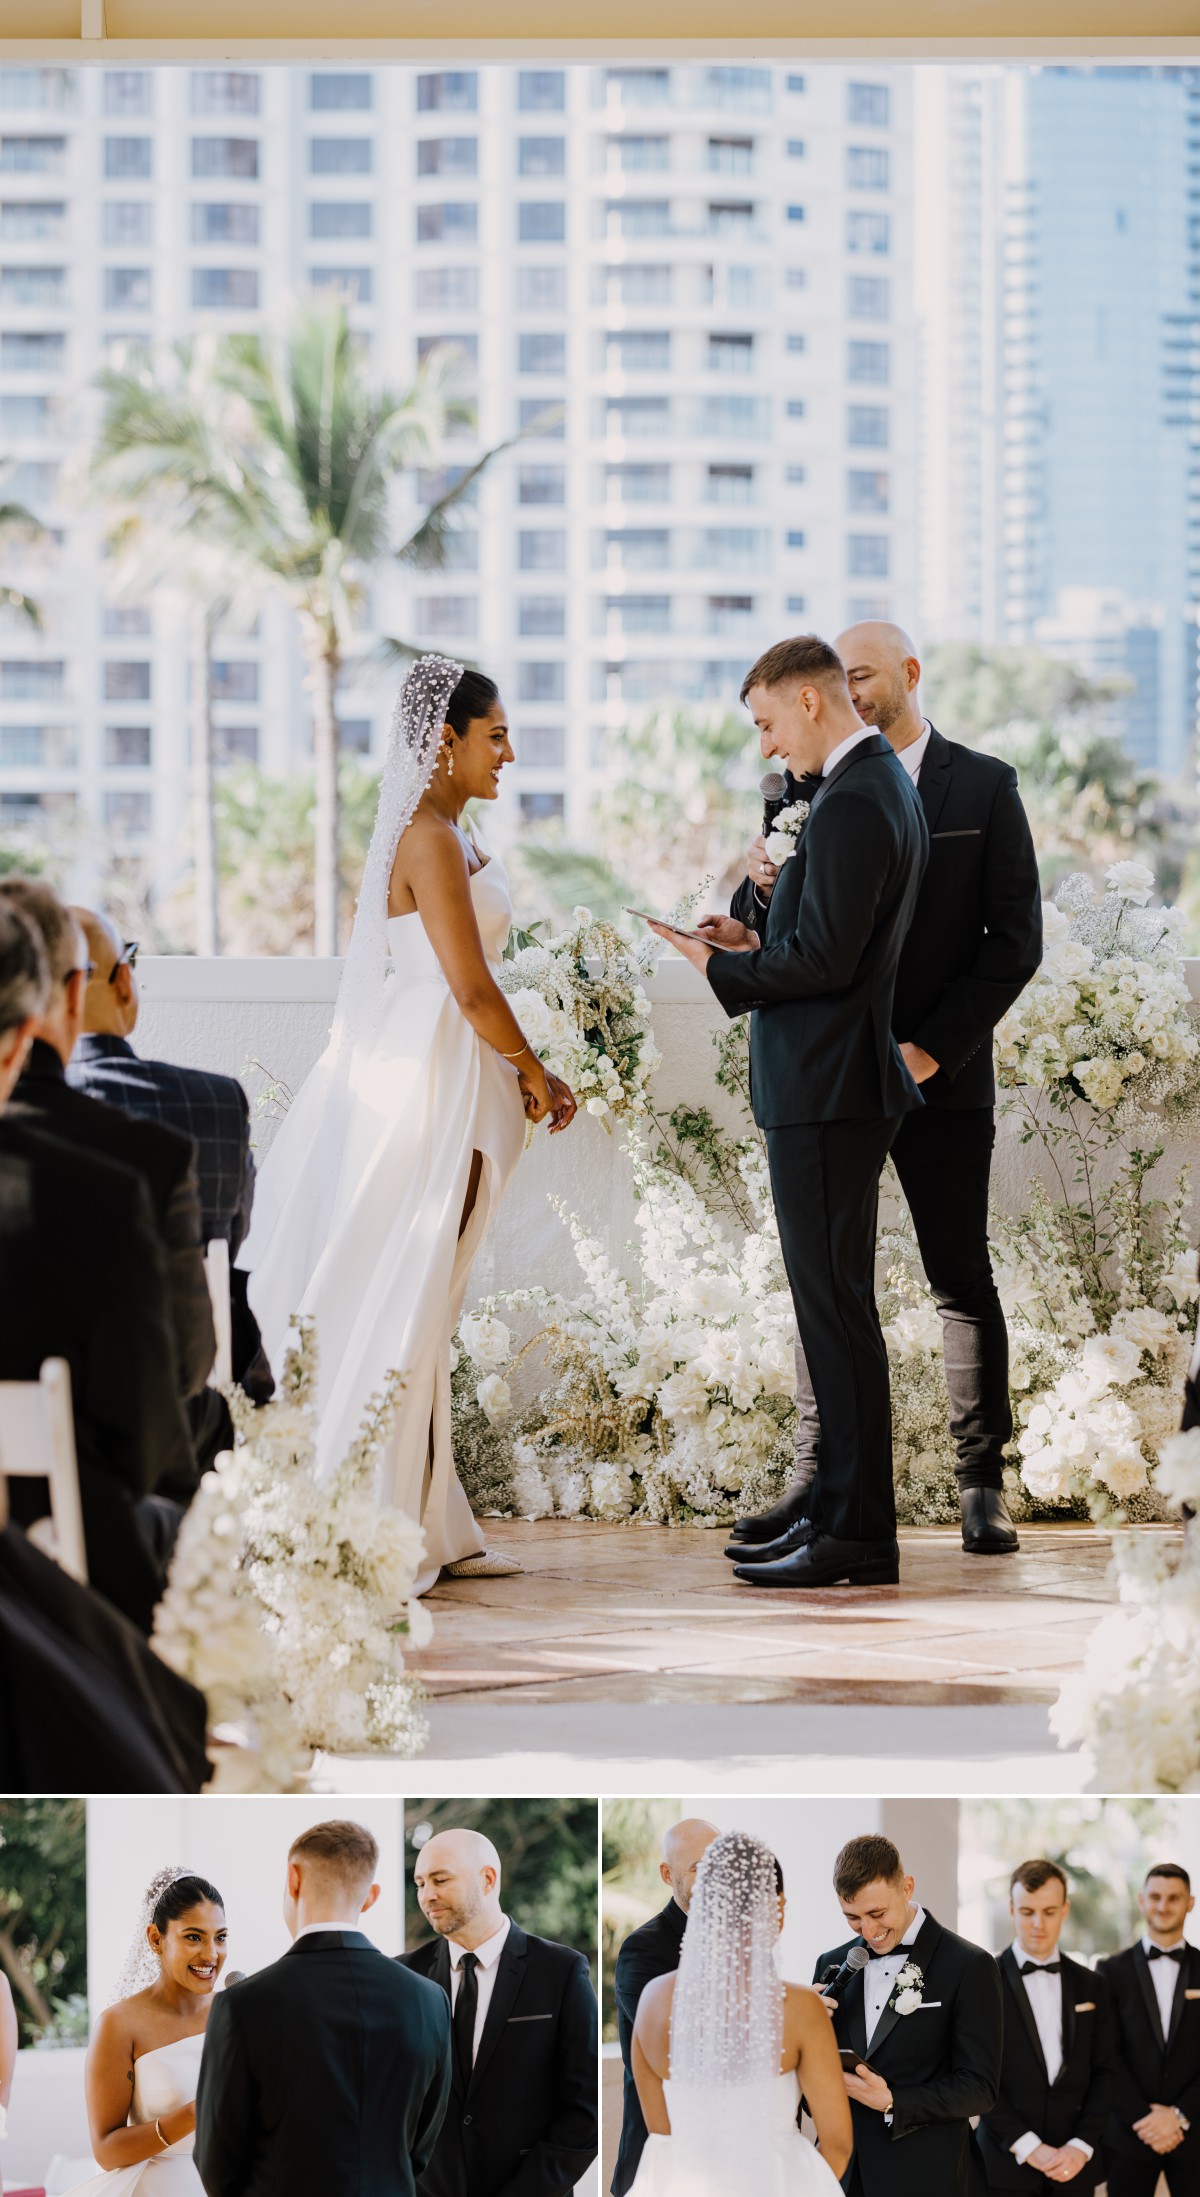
[920,1064]
[868,2089]
[726,932]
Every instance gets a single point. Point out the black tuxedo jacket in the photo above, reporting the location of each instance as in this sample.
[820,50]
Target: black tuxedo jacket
[650,1951]
[327,2072]
[526,2124]
[820,985]
[83,1277]
[1153,2069]
[976,934]
[941,2064]
[1076,2104]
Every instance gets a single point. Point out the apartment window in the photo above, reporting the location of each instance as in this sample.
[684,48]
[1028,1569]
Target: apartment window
[542,549]
[868,297]
[795,537]
[341,155]
[639,350]
[542,156]
[639,155]
[795,606]
[339,219]
[129,221]
[639,483]
[541,484]
[454,223]
[129,158]
[867,556]
[32,88]
[867,233]
[541,91]
[28,353]
[447,156]
[32,221]
[453,287]
[638,415]
[795,148]
[538,682]
[733,545]
[127,747]
[354,284]
[542,221]
[731,155]
[225,289]
[867,427]
[868,361]
[730,219]
[25,680]
[734,415]
[125,621]
[467,348]
[641,285]
[868,103]
[640,548]
[542,617]
[128,289]
[34,482]
[730,484]
[866,168]
[731,85]
[795,83]
[640,87]
[222,156]
[537,415]
[38,747]
[731,354]
[454,617]
[224,91]
[128,812]
[32,155]
[542,289]
[797,343]
[543,747]
[33,286]
[234,680]
[24,416]
[128,91]
[450,91]
[748,286]
[126,682]
[541,354]
[543,808]
[866,491]
[796,475]
[216,221]
[239,743]
[640,613]
[728,613]
[795,213]
[434,482]
[330,93]
[795,278]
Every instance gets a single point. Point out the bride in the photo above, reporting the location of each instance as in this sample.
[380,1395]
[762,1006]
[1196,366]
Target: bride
[723,2051]
[143,2063]
[394,1156]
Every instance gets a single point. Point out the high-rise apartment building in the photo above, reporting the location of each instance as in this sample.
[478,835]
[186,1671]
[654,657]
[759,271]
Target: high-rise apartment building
[690,286]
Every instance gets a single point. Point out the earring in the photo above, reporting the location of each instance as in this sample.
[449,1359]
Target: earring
[448,759]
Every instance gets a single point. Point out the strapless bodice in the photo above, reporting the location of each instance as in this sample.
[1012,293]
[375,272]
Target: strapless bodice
[408,941]
[166,2078]
[769,2104]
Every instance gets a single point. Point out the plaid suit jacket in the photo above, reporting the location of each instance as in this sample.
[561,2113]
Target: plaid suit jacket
[210,1108]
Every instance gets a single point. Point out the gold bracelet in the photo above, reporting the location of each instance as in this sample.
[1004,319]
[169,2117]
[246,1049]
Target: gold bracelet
[162,2139]
[517,1055]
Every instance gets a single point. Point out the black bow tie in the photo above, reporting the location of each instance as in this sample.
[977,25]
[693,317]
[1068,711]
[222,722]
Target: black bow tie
[895,1954]
[1041,1968]
[1166,1953]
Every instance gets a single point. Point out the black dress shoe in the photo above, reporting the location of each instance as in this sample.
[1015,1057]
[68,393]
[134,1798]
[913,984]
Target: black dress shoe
[769,1524]
[824,1562]
[987,1529]
[765,1552]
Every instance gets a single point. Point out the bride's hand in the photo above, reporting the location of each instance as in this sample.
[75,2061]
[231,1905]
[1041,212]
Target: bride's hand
[563,1104]
[534,1086]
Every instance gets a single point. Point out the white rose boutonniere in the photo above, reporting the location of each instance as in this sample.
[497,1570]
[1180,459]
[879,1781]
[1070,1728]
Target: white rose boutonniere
[909,1991]
[784,835]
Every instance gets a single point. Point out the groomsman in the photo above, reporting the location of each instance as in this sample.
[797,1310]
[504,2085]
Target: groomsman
[974,944]
[650,1951]
[1056,2077]
[924,2013]
[1154,2126]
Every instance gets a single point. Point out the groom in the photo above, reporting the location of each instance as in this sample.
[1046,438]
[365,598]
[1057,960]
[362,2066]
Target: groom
[329,2071]
[828,1082]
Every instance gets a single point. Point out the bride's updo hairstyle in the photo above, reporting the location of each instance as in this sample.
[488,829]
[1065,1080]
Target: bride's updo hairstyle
[727,2011]
[178,1896]
[474,696]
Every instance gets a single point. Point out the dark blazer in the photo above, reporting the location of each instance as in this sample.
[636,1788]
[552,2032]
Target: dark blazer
[976,934]
[1151,2069]
[1076,2103]
[820,985]
[212,1110]
[651,1950]
[83,1277]
[327,2072]
[526,2124]
[941,2063]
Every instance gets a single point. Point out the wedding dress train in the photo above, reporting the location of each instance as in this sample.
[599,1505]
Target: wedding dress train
[371,1250]
[163,2080]
[724,2141]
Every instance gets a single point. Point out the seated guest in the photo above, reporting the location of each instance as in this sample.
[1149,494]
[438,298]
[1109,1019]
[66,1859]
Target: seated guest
[83,1276]
[164,1158]
[1057,2072]
[1154,2126]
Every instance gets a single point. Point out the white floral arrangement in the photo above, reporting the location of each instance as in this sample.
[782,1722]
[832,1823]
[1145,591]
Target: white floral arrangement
[288,1600]
[1108,1015]
[908,1991]
[783,838]
[580,998]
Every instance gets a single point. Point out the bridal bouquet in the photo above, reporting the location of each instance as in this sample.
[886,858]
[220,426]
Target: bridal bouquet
[580,999]
[288,1599]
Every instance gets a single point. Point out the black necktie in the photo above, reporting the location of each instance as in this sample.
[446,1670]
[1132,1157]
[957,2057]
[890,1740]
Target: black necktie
[465,2008]
[1166,1953]
[1041,1968]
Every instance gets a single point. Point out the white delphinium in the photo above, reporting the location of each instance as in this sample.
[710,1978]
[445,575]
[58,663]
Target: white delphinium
[581,1001]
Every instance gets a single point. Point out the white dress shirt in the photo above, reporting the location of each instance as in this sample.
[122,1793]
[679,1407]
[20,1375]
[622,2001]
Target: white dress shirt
[1164,1975]
[1044,1993]
[879,1978]
[488,1956]
[913,756]
[310,1928]
[864,732]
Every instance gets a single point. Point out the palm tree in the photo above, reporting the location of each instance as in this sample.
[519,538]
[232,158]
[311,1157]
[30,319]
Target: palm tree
[21,524]
[285,461]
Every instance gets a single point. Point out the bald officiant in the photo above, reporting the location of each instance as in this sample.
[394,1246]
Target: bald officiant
[652,1950]
[974,944]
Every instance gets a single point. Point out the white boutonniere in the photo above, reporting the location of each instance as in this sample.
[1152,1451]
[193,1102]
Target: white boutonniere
[784,835]
[909,1989]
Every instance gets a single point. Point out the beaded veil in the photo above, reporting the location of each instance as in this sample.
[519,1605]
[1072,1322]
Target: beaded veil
[141,1964]
[727,2011]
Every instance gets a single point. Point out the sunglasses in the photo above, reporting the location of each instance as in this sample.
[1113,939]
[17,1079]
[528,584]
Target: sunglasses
[126,959]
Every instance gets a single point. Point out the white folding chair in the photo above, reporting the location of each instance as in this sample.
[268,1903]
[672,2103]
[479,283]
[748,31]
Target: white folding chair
[216,1267]
[37,1442]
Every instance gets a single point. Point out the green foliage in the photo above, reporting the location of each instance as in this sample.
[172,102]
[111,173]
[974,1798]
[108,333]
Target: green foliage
[43,1912]
[1105,1846]
[547,1849]
[265,842]
[630,1852]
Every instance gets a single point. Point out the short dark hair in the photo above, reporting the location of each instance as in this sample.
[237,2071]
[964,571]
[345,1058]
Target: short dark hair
[181,1894]
[778,1876]
[789,663]
[1032,1875]
[871,1859]
[58,928]
[1168,1869]
[24,969]
[475,696]
[346,1851]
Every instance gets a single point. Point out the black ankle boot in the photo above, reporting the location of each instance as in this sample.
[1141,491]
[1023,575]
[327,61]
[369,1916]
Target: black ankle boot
[987,1529]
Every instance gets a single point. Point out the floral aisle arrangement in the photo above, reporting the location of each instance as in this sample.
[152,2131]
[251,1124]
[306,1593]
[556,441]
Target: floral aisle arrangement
[580,998]
[288,1602]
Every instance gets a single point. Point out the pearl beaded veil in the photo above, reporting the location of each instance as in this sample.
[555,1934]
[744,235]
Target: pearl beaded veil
[727,2011]
[141,1964]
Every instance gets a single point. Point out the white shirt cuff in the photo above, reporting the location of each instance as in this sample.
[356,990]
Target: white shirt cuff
[1024,2145]
[1077,2144]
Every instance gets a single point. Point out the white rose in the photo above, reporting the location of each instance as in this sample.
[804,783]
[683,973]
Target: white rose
[1130,881]
[597,1105]
[908,2002]
[778,846]
[1109,1361]
[1178,1475]
[487,1341]
[494,1398]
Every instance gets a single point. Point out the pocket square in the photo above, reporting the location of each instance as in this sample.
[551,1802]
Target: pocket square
[974,831]
[927,2006]
[529,2018]
[1086,2006]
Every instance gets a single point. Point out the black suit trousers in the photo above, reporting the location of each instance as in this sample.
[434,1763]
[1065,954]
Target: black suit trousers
[825,1181]
[943,1158]
[1139,2177]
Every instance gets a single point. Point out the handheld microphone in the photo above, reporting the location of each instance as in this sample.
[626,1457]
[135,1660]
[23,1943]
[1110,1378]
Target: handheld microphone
[835,1976]
[773,788]
[234,1975]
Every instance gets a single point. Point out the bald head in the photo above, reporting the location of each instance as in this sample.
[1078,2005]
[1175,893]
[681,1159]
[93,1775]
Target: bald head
[110,1004]
[684,1845]
[884,672]
[457,1877]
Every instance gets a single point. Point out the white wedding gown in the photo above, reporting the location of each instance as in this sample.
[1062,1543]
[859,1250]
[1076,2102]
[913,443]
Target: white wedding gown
[727,2141]
[375,1257]
[163,2080]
